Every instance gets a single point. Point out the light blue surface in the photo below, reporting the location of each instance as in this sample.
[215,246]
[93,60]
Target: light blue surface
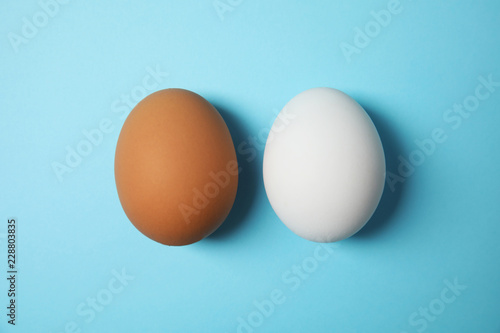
[439,227]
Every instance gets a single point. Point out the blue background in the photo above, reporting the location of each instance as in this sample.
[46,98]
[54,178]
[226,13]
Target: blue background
[441,224]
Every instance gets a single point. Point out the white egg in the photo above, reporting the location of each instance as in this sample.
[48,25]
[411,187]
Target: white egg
[324,165]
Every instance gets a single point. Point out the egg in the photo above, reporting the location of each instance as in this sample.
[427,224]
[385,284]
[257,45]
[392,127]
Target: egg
[324,165]
[176,171]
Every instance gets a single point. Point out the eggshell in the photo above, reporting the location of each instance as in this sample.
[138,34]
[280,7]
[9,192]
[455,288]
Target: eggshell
[324,165]
[175,167]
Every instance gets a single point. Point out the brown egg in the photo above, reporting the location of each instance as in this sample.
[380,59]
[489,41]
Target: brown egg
[175,167]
